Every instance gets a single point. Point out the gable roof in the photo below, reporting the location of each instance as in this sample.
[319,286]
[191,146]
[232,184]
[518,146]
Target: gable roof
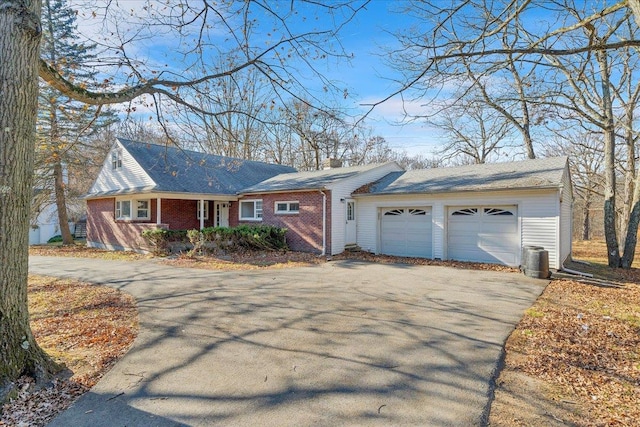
[526,174]
[311,180]
[176,170]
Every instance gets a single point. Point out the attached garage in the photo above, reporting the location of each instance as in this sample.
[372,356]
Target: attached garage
[481,213]
[406,231]
[483,234]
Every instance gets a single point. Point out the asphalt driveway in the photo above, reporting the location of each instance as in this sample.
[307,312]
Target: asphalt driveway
[344,343]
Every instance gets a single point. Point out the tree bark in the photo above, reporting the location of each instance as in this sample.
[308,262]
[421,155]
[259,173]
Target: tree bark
[19,49]
[586,217]
[631,238]
[634,5]
[610,232]
[61,202]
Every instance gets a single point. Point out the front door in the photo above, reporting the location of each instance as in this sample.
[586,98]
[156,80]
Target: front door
[350,228]
[222,214]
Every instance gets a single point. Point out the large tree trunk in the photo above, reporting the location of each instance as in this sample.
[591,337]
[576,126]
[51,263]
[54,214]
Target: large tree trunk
[586,217]
[61,203]
[19,49]
[610,232]
[631,238]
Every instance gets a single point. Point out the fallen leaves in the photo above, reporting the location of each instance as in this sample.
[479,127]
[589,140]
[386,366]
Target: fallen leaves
[248,260]
[83,251]
[389,259]
[586,339]
[86,327]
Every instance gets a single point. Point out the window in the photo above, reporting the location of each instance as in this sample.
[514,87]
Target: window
[251,210]
[497,212]
[116,159]
[417,212]
[132,209]
[206,209]
[466,211]
[394,212]
[351,211]
[287,207]
[142,209]
[123,209]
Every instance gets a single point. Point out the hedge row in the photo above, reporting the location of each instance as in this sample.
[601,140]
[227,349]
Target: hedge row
[212,239]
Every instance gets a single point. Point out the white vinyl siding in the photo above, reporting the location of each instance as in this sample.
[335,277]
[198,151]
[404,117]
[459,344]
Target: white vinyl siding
[129,175]
[538,213]
[566,217]
[340,191]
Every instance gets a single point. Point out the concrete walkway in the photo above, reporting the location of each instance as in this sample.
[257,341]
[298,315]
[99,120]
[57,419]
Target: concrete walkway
[344,343]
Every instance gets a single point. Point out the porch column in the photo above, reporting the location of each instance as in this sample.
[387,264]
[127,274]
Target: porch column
[201,214]
[158,212]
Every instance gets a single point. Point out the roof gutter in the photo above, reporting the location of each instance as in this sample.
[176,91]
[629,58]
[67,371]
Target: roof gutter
[427,191]
[163,194]
[298,190]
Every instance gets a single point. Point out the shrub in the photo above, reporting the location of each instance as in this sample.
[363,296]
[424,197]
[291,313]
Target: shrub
[197,239]
[260,237]
[158,240]
[55,239]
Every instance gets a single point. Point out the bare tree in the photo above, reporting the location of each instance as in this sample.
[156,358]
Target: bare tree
[578,45]
[474,132]
[586,163]
[196,28]
[237,129]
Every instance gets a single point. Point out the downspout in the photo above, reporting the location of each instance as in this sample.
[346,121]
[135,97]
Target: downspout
[324,223]
[201,212]
[158,212]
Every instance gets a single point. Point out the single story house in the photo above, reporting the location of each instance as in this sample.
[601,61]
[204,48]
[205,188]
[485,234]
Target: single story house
[484,213]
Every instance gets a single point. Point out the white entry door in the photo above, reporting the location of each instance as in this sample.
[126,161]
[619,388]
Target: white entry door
[222,214]
[350,227]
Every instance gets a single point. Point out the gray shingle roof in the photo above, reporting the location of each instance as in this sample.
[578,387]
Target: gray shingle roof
[538,173]
[311,180]
[185,171]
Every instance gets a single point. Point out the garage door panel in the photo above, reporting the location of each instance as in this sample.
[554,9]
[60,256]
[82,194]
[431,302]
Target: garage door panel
[463,227]
[483,234]
[406,231]
[499,228]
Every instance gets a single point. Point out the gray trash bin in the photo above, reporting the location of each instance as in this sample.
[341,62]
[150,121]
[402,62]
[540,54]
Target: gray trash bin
[525,256]
[537,264]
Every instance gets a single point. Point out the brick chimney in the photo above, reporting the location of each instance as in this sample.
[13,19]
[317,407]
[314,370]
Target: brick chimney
[331,163]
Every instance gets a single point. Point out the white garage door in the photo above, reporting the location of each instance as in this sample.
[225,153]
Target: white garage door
[406,232]
[484,234]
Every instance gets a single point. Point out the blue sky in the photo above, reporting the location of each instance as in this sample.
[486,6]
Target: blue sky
[371,80]
[367,78]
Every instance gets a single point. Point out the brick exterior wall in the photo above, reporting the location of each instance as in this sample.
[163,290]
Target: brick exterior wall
[304,228]
[183,214]
[103,230]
